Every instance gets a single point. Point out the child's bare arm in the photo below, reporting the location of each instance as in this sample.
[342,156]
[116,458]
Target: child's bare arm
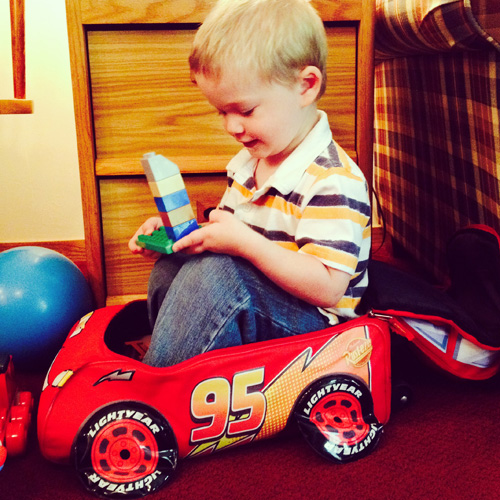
[301,275]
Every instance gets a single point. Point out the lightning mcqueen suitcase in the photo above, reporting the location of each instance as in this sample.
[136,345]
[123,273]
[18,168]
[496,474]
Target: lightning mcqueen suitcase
[125,424]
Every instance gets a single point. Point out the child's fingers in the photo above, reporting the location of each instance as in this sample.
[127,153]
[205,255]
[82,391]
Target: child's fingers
[191,241]
[152,224]
[137,250]
[133,246]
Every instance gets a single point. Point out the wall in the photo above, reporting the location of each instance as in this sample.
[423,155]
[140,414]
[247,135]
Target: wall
[39,177]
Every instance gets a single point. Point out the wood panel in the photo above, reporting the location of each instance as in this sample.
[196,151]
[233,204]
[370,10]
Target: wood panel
[126,203]
[144,100]
[192,11]
[339,99]
[16,107]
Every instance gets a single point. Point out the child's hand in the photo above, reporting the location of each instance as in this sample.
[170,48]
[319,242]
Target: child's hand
[223,234]
[152,224]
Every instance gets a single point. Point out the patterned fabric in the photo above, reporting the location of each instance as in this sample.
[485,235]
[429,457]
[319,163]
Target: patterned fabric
[316,203]
[487,15]
[409,27]
[437,123]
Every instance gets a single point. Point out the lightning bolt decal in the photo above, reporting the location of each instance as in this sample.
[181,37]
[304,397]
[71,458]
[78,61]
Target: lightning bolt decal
[301,372]
[117,375]
[224,442]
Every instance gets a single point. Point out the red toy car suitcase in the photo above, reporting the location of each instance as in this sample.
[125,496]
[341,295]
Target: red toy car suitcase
[126,424]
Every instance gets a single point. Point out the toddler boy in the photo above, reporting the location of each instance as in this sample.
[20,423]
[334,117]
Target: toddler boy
[286,251]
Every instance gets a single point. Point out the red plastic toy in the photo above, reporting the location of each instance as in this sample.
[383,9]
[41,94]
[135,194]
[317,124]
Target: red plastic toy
[15,412]
[125,424]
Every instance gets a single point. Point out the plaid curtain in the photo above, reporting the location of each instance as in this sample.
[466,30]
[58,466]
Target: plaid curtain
[437,122]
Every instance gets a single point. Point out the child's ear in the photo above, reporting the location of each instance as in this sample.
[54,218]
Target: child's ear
[310,79]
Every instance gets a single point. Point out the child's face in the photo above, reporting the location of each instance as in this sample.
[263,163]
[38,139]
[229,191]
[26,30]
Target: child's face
[269,119]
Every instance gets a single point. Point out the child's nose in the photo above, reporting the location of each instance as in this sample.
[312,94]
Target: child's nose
[233,124]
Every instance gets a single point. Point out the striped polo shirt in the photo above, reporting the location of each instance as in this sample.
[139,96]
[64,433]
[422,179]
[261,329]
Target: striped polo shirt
[316,203]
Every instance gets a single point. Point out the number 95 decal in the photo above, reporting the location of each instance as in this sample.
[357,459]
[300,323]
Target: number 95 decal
[228,409]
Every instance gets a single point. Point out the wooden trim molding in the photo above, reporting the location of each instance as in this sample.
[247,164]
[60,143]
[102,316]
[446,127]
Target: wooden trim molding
[365,92]
[86,154]
[180,11]
[74,250]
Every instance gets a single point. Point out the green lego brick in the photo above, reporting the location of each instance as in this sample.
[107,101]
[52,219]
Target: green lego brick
[158,241]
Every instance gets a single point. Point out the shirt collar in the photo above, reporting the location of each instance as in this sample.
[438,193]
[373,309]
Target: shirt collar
[288,174]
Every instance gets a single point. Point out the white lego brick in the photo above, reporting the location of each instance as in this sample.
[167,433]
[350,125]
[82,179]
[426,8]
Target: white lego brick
[167,186]
[157,167]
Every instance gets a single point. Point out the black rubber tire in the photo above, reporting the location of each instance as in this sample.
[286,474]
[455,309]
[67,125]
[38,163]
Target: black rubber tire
[125,450]
[335,415]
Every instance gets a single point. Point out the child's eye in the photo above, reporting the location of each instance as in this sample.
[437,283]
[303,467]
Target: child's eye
[242,113]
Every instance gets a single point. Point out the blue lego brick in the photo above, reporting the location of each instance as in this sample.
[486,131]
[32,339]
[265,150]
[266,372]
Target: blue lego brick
[172,201]
[157,167]
[177,232]
[158,241]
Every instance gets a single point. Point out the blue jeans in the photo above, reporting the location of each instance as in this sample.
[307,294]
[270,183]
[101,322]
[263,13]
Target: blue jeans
[211,301]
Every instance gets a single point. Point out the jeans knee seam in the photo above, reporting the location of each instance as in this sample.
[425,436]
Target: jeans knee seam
[229,316]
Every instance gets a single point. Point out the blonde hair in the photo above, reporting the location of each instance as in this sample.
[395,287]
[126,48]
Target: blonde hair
[275,38]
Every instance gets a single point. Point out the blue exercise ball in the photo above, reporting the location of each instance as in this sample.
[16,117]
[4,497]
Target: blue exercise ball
[42,294]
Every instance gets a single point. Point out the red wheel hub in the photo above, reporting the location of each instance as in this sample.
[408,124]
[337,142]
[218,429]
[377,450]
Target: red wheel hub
[339,418]
[124,451]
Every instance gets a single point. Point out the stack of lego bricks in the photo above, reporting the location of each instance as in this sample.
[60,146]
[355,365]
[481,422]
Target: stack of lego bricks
[171,198]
